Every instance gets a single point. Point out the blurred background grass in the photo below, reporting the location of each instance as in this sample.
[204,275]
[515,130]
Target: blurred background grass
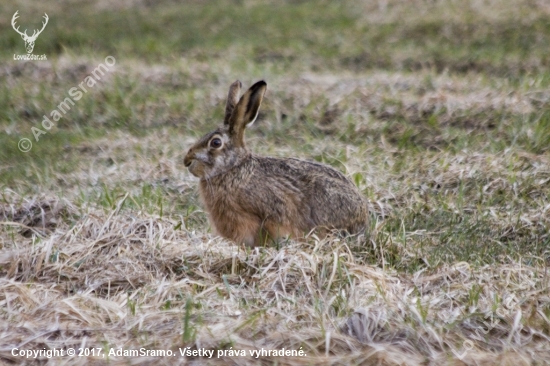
[505,38]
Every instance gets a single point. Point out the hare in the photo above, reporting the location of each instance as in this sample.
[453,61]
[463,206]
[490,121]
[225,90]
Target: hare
[250,198]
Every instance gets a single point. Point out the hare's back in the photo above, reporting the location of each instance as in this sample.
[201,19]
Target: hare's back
[327,196]
[303,173]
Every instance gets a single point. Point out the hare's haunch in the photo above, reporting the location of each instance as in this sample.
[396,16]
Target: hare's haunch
[251,198]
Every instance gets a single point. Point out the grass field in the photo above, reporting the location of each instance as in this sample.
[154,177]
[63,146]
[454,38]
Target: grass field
[438,110]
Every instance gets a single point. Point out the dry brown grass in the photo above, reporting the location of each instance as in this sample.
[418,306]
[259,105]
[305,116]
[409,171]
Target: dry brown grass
[113,280]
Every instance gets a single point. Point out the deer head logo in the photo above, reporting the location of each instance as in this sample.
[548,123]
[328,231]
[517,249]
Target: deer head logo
[29,40]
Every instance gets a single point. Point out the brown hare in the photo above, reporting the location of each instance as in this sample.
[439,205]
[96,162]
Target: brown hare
[251,198]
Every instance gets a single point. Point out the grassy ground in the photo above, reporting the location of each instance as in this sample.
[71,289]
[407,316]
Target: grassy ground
[439,111]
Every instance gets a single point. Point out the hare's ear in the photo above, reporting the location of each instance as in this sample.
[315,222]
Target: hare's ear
[246,111]
[232,100]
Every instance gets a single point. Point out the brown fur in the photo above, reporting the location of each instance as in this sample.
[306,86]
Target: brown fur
[251,198]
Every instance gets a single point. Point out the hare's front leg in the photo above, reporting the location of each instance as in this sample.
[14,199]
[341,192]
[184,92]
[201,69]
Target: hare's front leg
[254,235]
[240,229]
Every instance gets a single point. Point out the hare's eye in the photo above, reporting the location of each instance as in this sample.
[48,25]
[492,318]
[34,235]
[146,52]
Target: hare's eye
[216,143]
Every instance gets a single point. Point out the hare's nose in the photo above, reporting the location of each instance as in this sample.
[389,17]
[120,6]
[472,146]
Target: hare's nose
[186,162]
[188,159]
